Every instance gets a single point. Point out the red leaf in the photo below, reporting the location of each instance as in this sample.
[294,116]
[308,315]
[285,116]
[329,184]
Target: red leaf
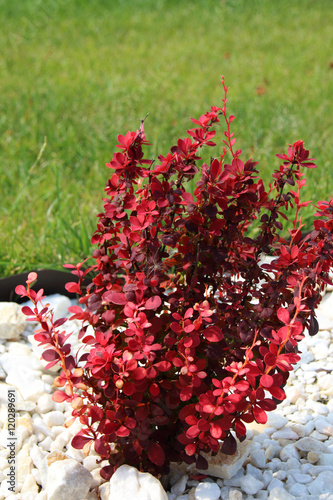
[153,302]
[50,355]
[154,390]
[31,277]
[72,287]
[20,290]
[79,441]
[101,447]
[240,428]
[215,169]
[259,415]
[123,431]
[175,327]
[215,430]
[213,334]
[115,298]
[229,446]
[27,311]
[163,366]
[128,388]
[53,363]
[59,322]
[139,373]
[277,393]
[60,396]
[283,315]
[96,414]
[193,431]
[156,454]
[190,449]
[188,313]
[266,381]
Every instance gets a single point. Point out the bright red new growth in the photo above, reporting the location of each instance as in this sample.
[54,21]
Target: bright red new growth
[192,335]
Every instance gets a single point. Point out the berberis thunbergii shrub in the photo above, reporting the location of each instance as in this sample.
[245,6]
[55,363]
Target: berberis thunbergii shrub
[192,335]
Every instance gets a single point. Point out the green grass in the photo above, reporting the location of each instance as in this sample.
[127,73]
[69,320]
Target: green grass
[76,74]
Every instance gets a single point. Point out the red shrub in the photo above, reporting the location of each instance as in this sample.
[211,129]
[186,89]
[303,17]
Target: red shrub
[193,337]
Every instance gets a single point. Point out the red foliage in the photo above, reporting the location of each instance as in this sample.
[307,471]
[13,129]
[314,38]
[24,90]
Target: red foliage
[193,336]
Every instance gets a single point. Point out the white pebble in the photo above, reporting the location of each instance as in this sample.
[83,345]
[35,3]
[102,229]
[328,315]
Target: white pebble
[45,403]
[285,433]
[258,459]
[250,485]
[180,485]
[275,483]
[288,452]
[90,462]
[276,420]
[322,484]
[235,495]
[53,418]
[279,493]
[292,393]
[298,490]
[323,426]
[207,491]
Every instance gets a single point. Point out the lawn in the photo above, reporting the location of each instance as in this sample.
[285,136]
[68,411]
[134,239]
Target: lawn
[75,74]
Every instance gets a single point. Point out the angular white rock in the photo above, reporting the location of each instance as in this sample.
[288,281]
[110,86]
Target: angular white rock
[221,465]
[322,484]
[326,459]
[127,483]
[12,320]
[66,478]
[288,452]
[251,485]
[310,444]
[276,420]
[179,486]
[258,459]
[285,433]
[53,418]
[235,495]
[45,403]
[278,493]
[298,490]
[27,379]
[325,382]
[104,491]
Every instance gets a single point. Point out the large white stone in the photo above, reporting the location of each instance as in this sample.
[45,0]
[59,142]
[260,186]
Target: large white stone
[12,320]
[325,382]
[27,379]
[310,444]
[221,465]
[64,477]
[322,484]
[226,466]
[326,306]
[127,483]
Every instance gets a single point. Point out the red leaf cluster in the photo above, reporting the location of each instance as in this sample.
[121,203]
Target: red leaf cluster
[190,335]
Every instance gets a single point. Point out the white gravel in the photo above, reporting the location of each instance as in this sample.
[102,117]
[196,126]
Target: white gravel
[291,456]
